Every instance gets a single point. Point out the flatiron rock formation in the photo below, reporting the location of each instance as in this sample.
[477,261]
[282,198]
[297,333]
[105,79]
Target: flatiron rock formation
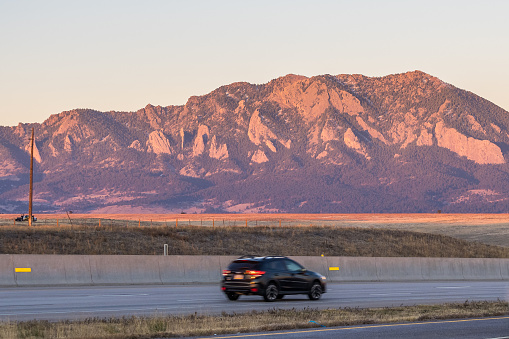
[346,143]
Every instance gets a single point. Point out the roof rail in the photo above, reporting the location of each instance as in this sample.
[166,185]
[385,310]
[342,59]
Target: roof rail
[248,256]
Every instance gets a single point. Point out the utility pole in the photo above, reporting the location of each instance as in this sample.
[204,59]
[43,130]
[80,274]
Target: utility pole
[31,194]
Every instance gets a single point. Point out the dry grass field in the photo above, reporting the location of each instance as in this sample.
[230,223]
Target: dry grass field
[490,229]
[118,237]
[272,320]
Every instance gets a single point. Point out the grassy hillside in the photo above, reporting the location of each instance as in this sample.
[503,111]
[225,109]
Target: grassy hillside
[229,240]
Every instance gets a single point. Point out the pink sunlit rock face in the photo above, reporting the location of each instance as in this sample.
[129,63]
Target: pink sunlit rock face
[346,143]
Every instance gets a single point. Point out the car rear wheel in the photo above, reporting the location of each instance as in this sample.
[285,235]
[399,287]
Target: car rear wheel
[233,296]
[315,292]
[271,292]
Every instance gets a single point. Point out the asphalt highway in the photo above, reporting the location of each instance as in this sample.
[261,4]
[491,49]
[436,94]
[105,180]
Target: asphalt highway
[59,303]
[478,328]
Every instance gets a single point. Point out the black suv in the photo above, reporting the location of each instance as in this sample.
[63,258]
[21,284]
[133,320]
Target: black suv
[270,277]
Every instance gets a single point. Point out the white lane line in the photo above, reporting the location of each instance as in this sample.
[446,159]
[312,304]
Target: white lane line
[200,300]
[116,295]
[453,287]
[90,311]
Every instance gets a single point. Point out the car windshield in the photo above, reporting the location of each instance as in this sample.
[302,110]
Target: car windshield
[243,265]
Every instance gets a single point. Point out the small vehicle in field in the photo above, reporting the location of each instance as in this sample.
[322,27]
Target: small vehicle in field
[24,217]
[270,277]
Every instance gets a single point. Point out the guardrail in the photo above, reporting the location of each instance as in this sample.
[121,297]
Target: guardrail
[44,270]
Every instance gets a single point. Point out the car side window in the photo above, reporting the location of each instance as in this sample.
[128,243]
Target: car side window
[272,265]
[280,265]
[293,266]
[276,265]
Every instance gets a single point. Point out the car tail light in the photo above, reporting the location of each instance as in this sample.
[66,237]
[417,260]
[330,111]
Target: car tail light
[255,273]
[223,288]
[226,272]
[254,289]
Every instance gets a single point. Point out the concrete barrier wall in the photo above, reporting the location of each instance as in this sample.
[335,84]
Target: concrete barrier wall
[489,268]
[348,269]
[6,270]
[49,270]
[131,269]
[150,269]
[442,268]
[504,270]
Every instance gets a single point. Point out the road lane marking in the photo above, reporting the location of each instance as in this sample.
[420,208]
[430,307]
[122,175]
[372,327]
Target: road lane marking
[452,287]
[358,328]
[116,295]
[44,312]
[333,268]
[23,269]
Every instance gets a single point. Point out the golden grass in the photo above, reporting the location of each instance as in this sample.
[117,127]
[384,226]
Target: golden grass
[229,240]
[379,218]
[490,229]
[255,321]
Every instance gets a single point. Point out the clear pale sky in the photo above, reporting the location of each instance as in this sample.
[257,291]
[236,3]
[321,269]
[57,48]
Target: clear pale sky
[122,55]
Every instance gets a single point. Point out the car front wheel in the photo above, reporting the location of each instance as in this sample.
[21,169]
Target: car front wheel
[315,292]
[271,292]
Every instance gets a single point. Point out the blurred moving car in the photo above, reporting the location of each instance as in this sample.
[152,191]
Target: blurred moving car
[270,277]
[24,217]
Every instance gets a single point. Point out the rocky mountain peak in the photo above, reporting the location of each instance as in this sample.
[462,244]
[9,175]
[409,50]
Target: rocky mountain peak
[341,143]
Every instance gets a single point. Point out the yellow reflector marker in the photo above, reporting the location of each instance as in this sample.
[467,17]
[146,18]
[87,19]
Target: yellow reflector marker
[333,268]
[22,269]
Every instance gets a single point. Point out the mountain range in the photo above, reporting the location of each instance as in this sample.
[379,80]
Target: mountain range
[330,143]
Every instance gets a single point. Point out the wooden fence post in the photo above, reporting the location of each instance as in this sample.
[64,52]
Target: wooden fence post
[99,222]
